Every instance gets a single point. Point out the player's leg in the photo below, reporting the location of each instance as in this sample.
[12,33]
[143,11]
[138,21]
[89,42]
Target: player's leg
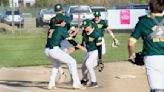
[64,46]
[54,71]
[90,64]
[66,58]
[103,46]
[61,71]
[155,71]
[84,71]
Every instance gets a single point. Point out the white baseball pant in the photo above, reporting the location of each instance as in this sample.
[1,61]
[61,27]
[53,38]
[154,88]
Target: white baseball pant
[47,54]
[64,45]
[155,71]
[89,63]
[103,46]
[57,56]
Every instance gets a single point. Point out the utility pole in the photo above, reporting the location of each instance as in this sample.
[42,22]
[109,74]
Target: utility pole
[13,16]
[1,3]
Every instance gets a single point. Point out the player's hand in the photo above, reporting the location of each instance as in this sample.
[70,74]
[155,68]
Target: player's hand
[73,32]
[70,50]
[115,43]
[82,48]
[132,58]
[100,65]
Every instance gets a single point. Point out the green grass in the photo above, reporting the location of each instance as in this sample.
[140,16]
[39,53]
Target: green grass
[27,48]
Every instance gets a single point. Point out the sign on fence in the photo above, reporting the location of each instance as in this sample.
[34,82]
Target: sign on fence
[124,18]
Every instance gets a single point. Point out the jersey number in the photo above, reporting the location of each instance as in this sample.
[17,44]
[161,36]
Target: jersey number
[50,33]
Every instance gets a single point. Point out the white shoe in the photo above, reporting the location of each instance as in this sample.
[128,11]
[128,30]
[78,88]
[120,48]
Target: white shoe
[51,87]
[78,86]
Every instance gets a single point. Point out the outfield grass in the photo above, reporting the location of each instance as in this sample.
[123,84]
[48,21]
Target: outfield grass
[27,48]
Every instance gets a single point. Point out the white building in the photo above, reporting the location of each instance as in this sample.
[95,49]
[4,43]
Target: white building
[24,3]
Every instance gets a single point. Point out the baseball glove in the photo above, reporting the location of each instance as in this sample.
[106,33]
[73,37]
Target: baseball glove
[73,32]
[115,42]
[138,60]
[100,65]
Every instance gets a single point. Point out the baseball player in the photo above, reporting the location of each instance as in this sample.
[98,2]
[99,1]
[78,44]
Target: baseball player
[57,55]
[64,43]
[92,41]
[59,10]
[102,26]
[153,46]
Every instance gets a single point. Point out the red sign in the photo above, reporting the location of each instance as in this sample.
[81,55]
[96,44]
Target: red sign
[125,16]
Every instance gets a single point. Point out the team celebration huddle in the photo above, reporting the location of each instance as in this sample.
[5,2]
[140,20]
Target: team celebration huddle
[61,43]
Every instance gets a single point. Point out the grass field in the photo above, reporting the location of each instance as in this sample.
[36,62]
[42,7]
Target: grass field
[27,48]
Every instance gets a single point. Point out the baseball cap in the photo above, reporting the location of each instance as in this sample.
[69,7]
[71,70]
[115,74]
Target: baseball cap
[97,14]
[58,7]
[86,23]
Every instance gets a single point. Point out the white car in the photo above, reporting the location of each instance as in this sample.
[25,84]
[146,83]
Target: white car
[6,17]
[44,17]
[103,11]
[78,13]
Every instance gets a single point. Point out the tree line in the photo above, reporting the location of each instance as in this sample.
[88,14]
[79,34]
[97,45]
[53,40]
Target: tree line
[50,3]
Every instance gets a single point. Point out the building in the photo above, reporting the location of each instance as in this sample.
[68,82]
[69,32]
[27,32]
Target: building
[23,3]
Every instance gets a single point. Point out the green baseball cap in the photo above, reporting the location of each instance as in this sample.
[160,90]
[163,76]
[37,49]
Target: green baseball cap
[58,7]
[97,14]
[86,23]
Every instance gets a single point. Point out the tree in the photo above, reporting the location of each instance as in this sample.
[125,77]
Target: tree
[42,3]
[4,2]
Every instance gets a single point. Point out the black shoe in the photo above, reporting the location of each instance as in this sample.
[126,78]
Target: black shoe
[84,82]
[93,85]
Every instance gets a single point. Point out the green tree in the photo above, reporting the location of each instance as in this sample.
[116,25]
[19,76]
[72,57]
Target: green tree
[4,2]
[42,3]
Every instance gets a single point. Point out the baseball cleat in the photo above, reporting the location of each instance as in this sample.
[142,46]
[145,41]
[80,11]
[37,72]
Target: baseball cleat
[78,86]
[84,82]
[93,85]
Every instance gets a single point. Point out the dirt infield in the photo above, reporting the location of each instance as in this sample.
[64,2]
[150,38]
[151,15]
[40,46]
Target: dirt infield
[116,77]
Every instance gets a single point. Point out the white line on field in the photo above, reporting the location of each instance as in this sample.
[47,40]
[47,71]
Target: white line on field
[23,70]
[14,89]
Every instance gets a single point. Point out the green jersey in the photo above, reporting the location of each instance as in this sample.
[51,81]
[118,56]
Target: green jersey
[92,40]
[145,26]
[104,26]
[55,36]
[67,20]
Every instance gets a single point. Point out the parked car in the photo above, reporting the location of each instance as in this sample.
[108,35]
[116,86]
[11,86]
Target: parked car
[6,17]
[44,16]
[78,13]
[102,10]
